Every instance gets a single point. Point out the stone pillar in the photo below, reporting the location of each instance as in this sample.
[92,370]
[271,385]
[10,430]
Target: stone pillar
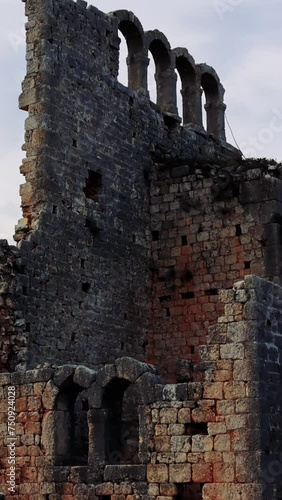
[216,119]
[97,436]
[138,72]
[191,98]
[166,90]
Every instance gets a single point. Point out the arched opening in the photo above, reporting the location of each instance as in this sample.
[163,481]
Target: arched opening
[179,96]
[152,81]
[121,426]
[204,109]
[71,428]
[215,108]
[162,64]
[122,68]
[211,92]
[165,75]
[188,90]
[132,51]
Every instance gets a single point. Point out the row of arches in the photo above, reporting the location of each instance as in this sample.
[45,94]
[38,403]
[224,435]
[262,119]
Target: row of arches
[196,79]
[93,418]
[84,435]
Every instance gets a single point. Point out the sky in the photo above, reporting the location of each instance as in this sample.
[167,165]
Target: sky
[241,39]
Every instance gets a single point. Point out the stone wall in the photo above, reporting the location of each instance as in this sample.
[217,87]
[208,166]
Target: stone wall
[134,229]
[211,439]
[85,231]
[212,224]
[12,282]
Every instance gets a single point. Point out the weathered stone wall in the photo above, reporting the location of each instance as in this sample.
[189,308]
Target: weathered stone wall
[132,224]
[12,282]
[212,224]
[211,439]
[85,232]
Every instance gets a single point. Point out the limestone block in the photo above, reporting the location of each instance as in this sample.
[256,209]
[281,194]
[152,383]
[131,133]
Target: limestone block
[130,369]
[213,390]
[161,430]
[202,473]
[180,473]
[222,442]
[184,416]
[234,390]
[104,489]
[223,473]
[216,428]
[122,489]
[162,444]
[157,473]
[168,489]
[176,429]
[168,416]
[49,395]
[181,444]
[177,392]
[232,351]
[62,374]
[83,376]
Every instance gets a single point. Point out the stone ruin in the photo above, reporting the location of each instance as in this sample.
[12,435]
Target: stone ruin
[140,312]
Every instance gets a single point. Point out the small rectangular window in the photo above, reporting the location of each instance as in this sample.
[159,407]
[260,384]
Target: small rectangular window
[93,185]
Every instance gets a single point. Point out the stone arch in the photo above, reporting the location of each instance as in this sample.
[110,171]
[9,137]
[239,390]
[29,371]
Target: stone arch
[70,415]
[191,96]
[116,431]
[137,60]
[214,106]
[114,419]
[157,43]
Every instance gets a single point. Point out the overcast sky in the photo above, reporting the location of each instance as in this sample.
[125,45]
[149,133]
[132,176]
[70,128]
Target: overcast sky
[241,39]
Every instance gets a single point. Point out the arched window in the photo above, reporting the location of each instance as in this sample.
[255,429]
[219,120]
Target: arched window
[137,61]
[152,80]
[165,75]
[203,109]
[71,428]
[214,106]
[185,66]
[121,426]
[122,66]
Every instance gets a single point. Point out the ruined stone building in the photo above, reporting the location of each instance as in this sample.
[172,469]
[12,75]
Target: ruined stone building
[140,312]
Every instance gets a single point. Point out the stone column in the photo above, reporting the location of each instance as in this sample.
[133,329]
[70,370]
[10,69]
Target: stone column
[190,99]
[138,72]
[216,119]
[166,90]
[97,436]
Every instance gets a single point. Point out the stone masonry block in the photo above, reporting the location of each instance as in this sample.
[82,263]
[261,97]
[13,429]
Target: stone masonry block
[157,473]
[201,443]
[180,473]
[202,473]
[213,390]
[168,416]
[232,351]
